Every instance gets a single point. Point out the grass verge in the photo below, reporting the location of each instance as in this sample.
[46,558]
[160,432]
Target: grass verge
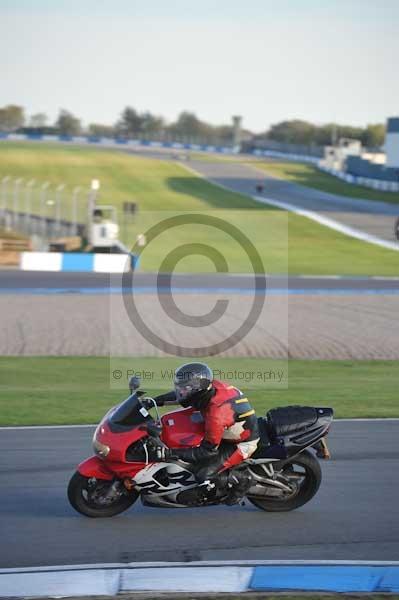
[309,176]
[285,241]
[62,390]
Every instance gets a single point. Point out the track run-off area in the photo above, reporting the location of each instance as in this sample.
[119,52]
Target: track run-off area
[74,314]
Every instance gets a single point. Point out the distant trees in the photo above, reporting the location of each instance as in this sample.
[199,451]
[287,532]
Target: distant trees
[132,123]
[12,117]
[99,130]
[129,122]
[188,128]
[38,120]
[187,124]
[303,132]
[67,123]
[374,135]
[151,124]
[296,131]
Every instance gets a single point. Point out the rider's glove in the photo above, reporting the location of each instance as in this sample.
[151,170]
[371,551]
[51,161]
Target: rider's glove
[147,402]
[163,454]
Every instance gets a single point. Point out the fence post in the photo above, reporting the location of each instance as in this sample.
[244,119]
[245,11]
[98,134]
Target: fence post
[28,204]
[75,198]
[58,195]
[17,183]
[43,193]
[4,182]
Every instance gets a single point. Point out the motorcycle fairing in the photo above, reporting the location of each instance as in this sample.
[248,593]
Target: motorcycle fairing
[161,483]
[182,428]
[95,467]
[118,442]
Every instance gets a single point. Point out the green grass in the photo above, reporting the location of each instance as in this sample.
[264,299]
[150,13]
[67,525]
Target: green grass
[309,176]
[286,242]
[61,390]
[154,184]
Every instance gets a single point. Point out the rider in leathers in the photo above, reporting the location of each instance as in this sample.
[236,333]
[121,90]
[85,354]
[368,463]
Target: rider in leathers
[231,426]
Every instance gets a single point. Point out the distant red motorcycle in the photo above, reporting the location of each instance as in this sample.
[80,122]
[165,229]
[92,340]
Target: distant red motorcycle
[284,469]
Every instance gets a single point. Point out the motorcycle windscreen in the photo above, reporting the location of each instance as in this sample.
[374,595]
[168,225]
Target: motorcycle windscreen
[130,413]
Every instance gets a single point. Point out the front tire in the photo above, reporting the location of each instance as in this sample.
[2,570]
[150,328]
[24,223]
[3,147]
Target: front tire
[305,465]
[85,495]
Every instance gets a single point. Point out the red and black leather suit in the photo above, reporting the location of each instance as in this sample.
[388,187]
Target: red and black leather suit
[231,429]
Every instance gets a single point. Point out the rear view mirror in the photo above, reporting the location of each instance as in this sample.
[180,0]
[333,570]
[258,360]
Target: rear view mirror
[134,383]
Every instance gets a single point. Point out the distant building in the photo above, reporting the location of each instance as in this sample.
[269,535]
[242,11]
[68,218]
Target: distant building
[379,165]
[392,142]
[335,156]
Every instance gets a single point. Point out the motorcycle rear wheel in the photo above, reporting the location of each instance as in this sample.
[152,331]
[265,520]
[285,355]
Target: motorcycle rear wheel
[81,495]
[310,468]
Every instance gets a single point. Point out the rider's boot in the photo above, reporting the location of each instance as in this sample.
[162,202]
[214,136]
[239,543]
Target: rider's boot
[238,485]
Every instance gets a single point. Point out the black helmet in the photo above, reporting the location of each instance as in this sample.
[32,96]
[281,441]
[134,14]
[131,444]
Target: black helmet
[193,381]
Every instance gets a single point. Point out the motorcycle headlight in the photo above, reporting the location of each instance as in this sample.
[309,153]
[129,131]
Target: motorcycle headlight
[100,449]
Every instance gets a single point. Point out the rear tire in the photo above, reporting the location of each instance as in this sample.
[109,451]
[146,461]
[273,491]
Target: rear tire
[80,492]
[310,465]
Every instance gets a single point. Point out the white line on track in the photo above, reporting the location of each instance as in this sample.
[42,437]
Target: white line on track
[331,223]
[309,214]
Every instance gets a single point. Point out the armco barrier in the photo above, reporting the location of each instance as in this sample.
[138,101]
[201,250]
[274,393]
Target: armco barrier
[375,184]
[77,261]
[211,577]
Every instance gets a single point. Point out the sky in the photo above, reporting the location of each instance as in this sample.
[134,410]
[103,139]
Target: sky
[267,60]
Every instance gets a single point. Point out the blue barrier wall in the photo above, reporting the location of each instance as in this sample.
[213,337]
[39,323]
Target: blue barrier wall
[360,167]
[102,140]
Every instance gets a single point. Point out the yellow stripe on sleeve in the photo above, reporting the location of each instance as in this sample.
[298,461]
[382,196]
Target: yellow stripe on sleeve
[247,414]
[241,400]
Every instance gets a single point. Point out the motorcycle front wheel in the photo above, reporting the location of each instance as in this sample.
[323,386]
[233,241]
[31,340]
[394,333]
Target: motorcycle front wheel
[302,474]
[94,497]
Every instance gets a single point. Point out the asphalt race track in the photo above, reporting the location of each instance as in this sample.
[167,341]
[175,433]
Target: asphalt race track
[13,280]
[355,515]
[375,218]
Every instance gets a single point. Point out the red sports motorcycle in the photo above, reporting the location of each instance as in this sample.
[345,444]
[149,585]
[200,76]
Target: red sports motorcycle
[284,470]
